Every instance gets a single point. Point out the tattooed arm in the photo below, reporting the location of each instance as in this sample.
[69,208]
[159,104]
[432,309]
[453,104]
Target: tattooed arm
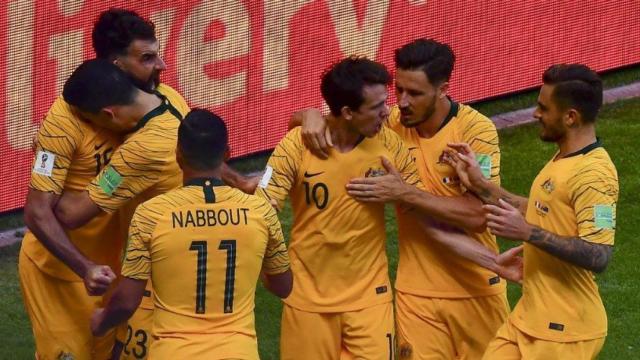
[588,255]
[506,221]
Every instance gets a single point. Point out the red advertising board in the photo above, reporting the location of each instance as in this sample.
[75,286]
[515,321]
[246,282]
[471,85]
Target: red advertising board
[254,62]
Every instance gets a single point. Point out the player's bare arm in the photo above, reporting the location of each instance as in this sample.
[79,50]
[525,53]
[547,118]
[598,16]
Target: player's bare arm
[507,265]
[506,221]
[121,306]
[40,219]
[234,179]
[279,284]
[461,211]
[463,160]
[315,133]
[75,209]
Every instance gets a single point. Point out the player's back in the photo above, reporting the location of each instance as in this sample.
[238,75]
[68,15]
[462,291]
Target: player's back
[207,249]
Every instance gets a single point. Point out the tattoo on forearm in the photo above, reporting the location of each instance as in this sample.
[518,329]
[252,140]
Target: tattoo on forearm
[575,250]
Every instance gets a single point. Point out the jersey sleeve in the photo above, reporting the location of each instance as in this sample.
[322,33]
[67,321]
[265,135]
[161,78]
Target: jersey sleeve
[594,195]
[134,167]
[137,259]
[57,139]
[282,168]
[481,134]
[276,257]
[402,159]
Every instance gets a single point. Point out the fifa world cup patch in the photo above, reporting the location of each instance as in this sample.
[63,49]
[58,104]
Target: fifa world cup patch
[109,180]
[44,163]
[264,181]
[484,161]
[603,217]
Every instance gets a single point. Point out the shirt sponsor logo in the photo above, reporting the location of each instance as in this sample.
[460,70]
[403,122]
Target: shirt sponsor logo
[310,175]
[44,163]
[381,289]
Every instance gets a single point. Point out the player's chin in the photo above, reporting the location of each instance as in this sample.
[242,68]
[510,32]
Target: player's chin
[408,122]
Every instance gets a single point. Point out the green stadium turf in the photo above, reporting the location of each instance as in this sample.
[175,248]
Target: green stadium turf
[523,155]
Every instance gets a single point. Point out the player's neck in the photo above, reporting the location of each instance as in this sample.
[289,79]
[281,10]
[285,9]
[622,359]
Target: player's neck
[430,127]
[190,174]
[145,102]
[576,139]
[343,136]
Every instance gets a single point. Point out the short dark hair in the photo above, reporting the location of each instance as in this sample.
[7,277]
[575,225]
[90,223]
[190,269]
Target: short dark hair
[342,83]
[434,58]
[575,86]
[202,139]
[96,84]
[116,29]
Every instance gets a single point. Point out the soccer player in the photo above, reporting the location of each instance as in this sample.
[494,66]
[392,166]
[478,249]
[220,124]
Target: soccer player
[447,306]
[70,151]
[567,224]
[342,297]
[204,245]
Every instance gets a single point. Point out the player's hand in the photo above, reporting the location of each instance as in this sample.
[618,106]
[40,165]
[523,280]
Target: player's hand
[462,158]
[315,133]
[506,221]
[510,264]
[98,278]
[96,322]
[385,188]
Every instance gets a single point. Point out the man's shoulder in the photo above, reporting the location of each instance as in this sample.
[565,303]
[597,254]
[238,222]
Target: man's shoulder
[61,115]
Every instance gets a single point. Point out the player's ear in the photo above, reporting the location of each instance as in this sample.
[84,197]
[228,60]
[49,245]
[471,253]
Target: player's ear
[346,112]
[571,118]
[443,89]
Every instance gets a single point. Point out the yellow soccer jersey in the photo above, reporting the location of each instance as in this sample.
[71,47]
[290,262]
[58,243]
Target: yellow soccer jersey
[145,164]
[69,154]
[425,267]
[574,196]
[337,244]
[204,247]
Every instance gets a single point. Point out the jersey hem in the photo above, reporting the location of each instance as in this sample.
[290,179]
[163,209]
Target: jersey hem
[451,294]
[562,339]
[338,309]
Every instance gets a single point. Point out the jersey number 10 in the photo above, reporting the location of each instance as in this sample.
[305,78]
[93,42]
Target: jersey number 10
[201,274]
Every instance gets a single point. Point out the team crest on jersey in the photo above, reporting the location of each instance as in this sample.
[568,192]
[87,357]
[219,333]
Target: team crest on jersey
[375,172]
[65,356]
[541,208]
[548,186]
[443,157]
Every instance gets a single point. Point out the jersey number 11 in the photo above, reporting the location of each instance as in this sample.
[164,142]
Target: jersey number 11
[201,274]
